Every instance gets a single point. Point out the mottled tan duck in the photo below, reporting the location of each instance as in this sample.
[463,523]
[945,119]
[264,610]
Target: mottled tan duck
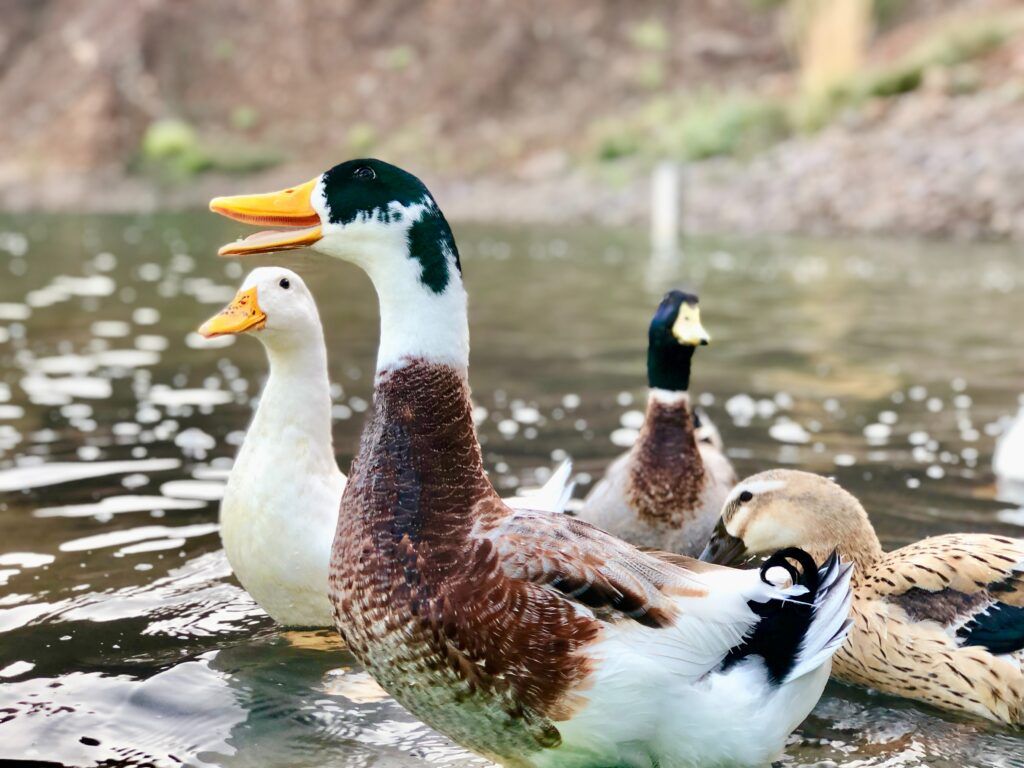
[667,491]
[940,621]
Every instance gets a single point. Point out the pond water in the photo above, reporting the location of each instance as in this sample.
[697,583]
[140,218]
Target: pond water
[124,641]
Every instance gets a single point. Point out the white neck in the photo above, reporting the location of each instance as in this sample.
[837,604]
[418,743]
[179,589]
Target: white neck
[415,321]
[430,327]
[295,405]
[668,396]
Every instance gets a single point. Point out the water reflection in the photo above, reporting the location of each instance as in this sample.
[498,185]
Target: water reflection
[54,473]
[892,366]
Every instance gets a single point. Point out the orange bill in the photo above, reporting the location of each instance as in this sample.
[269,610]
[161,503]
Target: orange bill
[242,314]
[290,207]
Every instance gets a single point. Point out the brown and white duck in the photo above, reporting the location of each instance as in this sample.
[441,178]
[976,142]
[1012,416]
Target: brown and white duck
[533,639]
[280,507]
[667,491]
[939,621]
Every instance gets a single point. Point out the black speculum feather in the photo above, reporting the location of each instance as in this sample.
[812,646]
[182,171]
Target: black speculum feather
[1000,630]
[668,361]
[367,188]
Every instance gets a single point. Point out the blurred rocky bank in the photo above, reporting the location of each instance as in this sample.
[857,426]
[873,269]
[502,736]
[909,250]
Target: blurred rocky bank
[522,111]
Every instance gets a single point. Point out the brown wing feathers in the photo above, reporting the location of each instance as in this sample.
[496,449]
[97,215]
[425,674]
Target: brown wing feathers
[585,564]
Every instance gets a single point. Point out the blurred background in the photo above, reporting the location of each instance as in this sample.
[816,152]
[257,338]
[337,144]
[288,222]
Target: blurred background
[842,182]
[867,116]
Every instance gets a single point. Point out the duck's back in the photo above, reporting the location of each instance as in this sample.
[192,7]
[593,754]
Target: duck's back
[555,645]
[942,621]
[536,639]
[1008,459]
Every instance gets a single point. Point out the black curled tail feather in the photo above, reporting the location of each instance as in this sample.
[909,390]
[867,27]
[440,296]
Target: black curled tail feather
[797,634]
[807,576]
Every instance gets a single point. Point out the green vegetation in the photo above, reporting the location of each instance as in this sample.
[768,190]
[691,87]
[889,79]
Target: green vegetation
[651,40]
[224,49]
[947,50]
[173,143]
[695,128]
[361,138]
[650,74]
[971,41]
[398,58]
[742,124]
[650,35]
[734,125]
[244,118]
[884,10]
[172,149]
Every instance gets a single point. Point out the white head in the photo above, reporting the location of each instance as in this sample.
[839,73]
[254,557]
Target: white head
[274,303]
[384,220]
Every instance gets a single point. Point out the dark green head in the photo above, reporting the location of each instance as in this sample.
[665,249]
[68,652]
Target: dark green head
[674,334]
[358,210]
[371,191]
[368,188]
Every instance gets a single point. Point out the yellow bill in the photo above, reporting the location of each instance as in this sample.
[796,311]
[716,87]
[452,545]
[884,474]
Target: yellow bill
[290,207]
[242,314]
[687,328]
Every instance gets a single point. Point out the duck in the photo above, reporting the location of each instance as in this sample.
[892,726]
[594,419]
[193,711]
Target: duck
[529,638]
[1008,459]
[667,491]
[280,505]
[940,621]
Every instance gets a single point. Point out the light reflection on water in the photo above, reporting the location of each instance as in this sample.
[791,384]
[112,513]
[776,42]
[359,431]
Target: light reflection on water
[124,638]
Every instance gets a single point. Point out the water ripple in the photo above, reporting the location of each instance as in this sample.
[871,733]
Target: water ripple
[54,473]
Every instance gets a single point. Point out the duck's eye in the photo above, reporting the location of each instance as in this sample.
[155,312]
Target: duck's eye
[364,172]
[745,497]
[285,283]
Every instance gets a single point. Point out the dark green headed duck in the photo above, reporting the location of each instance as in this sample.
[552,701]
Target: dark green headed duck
[667,491]
[532,638]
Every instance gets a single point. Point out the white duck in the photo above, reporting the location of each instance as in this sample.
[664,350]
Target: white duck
[533,639]
[1008,460]
[280,507]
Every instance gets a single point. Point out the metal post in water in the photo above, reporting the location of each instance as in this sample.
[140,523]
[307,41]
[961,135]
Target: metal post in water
[665,210]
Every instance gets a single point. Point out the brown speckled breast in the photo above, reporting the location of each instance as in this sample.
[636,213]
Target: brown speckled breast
[424,605]
[666,474]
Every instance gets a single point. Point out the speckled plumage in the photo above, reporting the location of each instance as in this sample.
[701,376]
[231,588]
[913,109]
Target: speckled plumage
[406,572]
[939,621]
[910,607]
[667,491]
[493,625]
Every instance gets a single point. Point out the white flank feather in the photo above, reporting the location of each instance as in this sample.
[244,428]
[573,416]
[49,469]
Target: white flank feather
[651,685]
[831,621]
[553,496]
[1008,460]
